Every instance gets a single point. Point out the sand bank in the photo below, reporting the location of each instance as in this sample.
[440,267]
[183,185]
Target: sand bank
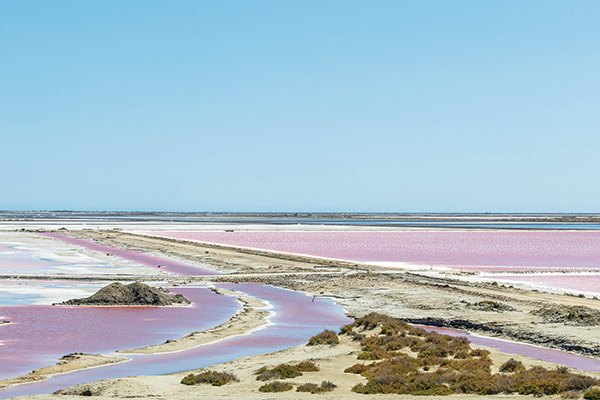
[252,317]
[66,364]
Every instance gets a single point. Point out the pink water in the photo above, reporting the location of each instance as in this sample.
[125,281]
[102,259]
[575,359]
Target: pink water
[573,282]
[472,250]
[297,318]
[164,264]
[37,335]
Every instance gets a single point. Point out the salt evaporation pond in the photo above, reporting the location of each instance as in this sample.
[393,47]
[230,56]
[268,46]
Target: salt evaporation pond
[39,334]
[296,319]
[18,258]
[140,257]
[467,250]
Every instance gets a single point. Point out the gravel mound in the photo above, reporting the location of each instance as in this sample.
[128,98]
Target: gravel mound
[134,294]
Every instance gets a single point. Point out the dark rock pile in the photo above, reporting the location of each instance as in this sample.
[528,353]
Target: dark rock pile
[492,306]
[134,294]
[569,315]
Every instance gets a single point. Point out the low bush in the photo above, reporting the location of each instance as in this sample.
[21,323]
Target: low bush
[326,337]
[276,386]
[512,365]
[357,369]
[313,388]
[209,377]
[592,394]
[446,365]
[307,366]
[283,371]
[189,380]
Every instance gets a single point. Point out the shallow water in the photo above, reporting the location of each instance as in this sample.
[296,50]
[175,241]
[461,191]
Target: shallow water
[34,292]
[18,259]
[469,250]
[164,264]
[28,254]
[38,335]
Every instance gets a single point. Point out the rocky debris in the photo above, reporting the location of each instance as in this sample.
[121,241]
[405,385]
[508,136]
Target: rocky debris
[489,305]
[569,315]
[70,357]
[134,294]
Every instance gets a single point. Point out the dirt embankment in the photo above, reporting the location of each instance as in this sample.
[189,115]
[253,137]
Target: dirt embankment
[570,315]
[449,302]
[227,259]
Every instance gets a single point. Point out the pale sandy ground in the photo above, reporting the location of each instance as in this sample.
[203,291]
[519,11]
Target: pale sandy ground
[67,364]
[403,295]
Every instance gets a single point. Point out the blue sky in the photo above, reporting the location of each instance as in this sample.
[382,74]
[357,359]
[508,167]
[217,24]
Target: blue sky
[435,106]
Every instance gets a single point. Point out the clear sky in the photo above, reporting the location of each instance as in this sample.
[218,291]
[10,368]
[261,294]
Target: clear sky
[320,105]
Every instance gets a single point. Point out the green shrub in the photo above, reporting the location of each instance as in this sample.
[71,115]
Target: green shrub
[512,365]
[283,371]
[373,355]
[357,369]
[189,380]
[307,366]
[313,388]
[210,377]
[592,394]
[326,337]
[276,386]
[480,353]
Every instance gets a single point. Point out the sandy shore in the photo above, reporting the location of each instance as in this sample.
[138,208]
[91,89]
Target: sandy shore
[66,364]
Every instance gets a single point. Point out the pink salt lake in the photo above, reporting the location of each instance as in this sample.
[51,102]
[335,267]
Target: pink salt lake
[297,318]
[467,250]
[37,335]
